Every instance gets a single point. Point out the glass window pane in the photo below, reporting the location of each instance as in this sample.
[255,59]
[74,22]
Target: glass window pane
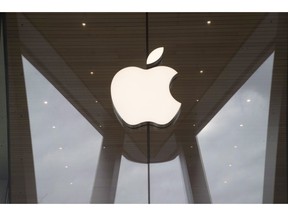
[65,145]
[167,182]
[84,154]
[233,143]
[132,184]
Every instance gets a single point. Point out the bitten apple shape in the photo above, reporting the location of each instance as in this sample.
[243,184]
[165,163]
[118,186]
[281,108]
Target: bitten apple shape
[141,96]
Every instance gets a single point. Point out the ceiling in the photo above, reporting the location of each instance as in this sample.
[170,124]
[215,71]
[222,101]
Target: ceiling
[111,41]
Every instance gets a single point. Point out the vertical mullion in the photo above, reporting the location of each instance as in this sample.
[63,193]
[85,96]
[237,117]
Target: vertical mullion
[148,125]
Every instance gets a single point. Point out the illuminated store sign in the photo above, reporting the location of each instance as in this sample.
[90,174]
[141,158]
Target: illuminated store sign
[141,96]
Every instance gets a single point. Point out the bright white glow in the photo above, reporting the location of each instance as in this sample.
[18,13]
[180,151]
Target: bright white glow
[60,148]
[155,55]
[140,95]
[201,71]
[197,100]
[241,125]
[83,24]
[66,166]
[235,146]
[230,165]
[208,22]
[248,100]
[45,102]
[53,127]
[96,101]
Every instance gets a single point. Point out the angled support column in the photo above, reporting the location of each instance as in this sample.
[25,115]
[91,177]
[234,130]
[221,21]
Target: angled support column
[106,178]
[194,174]
[275,177]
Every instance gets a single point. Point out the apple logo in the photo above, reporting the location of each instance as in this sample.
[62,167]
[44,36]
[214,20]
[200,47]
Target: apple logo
[140,96]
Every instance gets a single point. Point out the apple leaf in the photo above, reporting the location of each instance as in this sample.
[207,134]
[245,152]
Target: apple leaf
[155,55]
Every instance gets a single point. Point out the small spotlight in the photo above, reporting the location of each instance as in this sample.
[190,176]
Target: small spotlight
[209,22]
[241,125]
[197,100]
[248,100]
[201,71]
[60,148]
[225,182]
[53,127]
[83,24]
[91,72]
[45,102]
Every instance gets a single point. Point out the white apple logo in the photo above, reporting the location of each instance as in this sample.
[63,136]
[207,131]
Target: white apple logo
[141,96]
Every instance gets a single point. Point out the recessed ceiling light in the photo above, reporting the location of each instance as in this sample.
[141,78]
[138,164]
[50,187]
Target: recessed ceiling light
[209,22]
[96,101]
[71,183]
[235,146]
[83,24]
[194,125]
[100,126]
[53,126]
[241,125]
[201,71]
[230,165]
[45,102]
[60,148]
[66,166]
[225,182]
[248,100]
[197,100]
[91,72]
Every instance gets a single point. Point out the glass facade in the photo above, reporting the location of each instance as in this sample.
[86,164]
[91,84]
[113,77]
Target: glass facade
[68,144]
[65,145]
[234,162]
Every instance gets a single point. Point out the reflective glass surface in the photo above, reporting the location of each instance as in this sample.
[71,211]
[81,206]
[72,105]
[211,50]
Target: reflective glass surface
[65,146]
[233,143]
[167,182]
[226,144]
[132,177]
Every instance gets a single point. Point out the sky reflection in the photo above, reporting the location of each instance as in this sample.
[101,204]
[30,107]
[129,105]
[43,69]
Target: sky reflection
[65,145]
[233,143]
